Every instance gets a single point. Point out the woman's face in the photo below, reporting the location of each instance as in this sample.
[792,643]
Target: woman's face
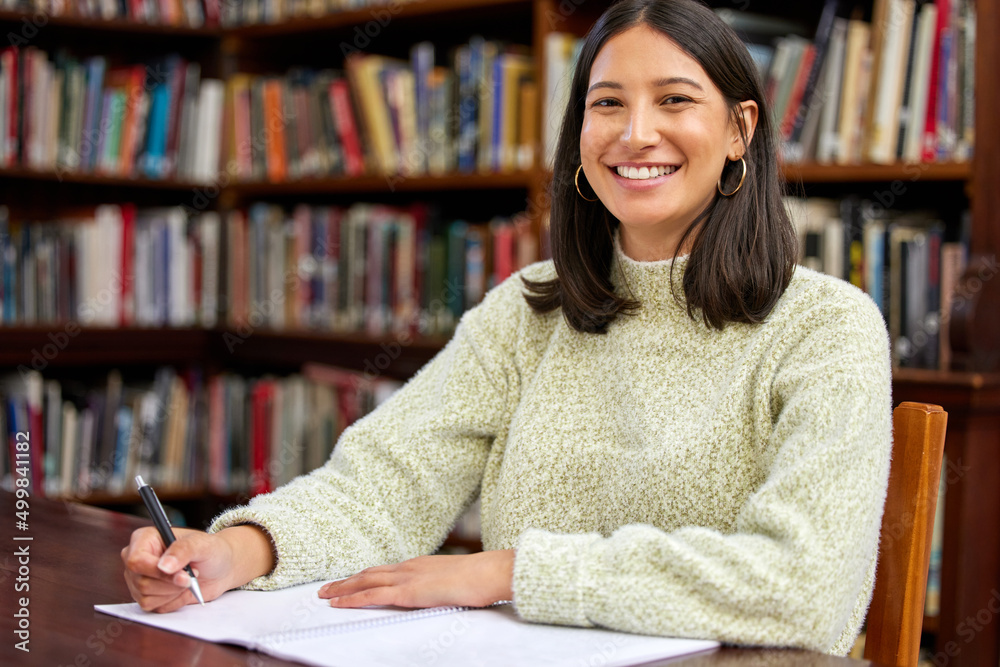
[656,135]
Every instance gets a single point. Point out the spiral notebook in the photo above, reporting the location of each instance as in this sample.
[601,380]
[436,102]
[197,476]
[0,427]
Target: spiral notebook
[295,624]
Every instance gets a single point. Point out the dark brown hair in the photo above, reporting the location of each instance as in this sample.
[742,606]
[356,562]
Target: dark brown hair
[744,251]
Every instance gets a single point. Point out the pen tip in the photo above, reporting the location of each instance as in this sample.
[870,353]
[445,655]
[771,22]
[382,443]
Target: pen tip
[138,481]
[196,589]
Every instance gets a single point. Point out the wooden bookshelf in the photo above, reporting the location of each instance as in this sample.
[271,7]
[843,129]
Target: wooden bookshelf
[41,20]
[397,10]
[394,356]
[131,497]
[97,179]
[970,562]
[89,346]
[71,345]
[57,347]
[388,183]
[862,173]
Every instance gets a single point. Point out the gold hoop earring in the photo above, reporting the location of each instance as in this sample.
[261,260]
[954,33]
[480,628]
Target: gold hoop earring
[742,178]
[577,181]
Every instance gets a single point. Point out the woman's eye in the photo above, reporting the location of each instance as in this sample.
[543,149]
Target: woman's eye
[605,103]
[675,99]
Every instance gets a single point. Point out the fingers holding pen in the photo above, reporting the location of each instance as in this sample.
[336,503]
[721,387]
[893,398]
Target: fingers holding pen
[155,576]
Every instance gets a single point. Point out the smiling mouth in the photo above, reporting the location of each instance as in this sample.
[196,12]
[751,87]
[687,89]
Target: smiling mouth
[645,173]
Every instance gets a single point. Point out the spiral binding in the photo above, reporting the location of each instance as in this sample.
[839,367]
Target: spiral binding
[288,636]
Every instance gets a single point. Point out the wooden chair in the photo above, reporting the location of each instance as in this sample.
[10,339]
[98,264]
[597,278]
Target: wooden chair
[897,609]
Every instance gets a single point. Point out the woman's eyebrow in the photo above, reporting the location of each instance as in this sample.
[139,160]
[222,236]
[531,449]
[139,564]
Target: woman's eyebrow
[659,83]
[605,84]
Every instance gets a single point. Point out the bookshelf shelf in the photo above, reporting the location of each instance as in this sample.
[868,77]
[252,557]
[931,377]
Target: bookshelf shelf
[948,388]
[862,173]
[103,345]
[108,25]
[363,184]
[168,494]
[395,8]
[394,356]
[70,344]
[387,183]
[103,180]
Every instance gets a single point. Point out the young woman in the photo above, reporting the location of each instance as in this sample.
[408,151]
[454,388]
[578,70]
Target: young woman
[671,428]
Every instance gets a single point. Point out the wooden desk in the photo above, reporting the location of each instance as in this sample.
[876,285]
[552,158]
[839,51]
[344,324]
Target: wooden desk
[75,564]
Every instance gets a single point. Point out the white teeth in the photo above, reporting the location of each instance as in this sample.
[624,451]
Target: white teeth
[644,173]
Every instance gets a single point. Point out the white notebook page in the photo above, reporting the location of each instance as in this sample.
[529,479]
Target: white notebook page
[493,636]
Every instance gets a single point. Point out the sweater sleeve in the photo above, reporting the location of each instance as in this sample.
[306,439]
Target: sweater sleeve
[803,551]
[400,477]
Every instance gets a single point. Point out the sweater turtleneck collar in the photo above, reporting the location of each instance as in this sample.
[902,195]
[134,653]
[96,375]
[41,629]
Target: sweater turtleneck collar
[648,282]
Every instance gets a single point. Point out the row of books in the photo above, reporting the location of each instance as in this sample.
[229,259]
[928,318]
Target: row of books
[252,12]
[562,50]
[186,13]
[367,267]
[387,116]
[902,260]
[156,120]
[225,433]
[901,88]
[162,119]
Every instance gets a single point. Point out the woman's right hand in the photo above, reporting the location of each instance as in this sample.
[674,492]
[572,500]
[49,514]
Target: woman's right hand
[221,561]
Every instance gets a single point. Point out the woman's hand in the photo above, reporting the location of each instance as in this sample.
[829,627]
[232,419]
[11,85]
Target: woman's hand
[475,580]
[228,559]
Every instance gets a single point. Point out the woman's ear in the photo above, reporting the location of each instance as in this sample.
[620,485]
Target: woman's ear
[746,112]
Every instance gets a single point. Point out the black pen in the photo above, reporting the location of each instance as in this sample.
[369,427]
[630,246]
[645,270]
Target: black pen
[163,525]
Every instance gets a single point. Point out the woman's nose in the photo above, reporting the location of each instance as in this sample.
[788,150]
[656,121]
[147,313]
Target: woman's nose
[640,132]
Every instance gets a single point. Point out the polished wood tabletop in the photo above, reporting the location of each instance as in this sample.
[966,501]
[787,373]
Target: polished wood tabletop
[73,563]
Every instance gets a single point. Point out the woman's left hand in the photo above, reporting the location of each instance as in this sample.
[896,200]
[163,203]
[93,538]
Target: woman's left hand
[474,580]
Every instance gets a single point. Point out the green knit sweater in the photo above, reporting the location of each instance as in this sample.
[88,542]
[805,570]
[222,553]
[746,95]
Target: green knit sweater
[663,478]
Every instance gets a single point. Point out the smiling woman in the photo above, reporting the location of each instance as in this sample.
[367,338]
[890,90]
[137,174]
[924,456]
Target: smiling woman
[674,431]
[667,87]
[654,147]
